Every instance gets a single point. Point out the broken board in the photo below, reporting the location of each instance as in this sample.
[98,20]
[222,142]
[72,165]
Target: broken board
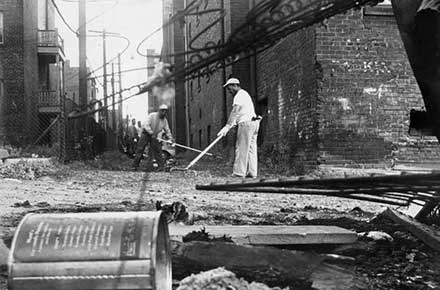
[424,232]
[272,235]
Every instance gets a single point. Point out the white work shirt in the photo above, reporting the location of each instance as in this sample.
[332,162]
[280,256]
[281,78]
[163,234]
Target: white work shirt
[247,110]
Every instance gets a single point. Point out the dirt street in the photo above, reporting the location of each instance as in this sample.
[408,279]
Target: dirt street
[90,187]
[86,185]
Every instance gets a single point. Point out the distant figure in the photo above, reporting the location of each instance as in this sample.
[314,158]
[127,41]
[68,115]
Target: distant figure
[243,115]
[156,123]
[139,128]
[132,138]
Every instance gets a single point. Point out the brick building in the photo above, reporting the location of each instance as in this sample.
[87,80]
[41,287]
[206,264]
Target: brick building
[72,87]
[334,93]
[31,70]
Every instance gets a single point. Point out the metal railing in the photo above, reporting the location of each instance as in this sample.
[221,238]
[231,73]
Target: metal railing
[50,38]
[48,99]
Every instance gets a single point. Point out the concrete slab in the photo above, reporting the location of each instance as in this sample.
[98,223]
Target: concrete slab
[272,235]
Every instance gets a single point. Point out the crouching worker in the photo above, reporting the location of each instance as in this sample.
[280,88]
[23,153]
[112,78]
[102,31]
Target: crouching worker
[155,124]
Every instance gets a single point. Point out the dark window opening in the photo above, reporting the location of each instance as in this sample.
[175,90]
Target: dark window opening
[200,138]
[191,140]
[262,108]
[1,28]
[189,31]
[208,134]
[200,113]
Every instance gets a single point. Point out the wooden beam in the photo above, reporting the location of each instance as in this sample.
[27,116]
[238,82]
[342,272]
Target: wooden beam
[424,232]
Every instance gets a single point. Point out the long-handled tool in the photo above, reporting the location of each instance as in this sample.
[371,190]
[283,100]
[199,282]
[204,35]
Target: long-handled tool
[182,146]
[194,161]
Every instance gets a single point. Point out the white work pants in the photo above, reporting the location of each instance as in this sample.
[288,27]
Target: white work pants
[246,158]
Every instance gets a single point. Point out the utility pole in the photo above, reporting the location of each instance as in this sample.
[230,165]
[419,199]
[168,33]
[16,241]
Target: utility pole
[82,59]
[113,99]
[104,59]
[120,95]
[110,129]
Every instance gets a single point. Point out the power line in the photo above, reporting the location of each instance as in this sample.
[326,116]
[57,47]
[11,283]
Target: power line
[114,58]
[64,20]
[102,13]
[109,34]
[128,70]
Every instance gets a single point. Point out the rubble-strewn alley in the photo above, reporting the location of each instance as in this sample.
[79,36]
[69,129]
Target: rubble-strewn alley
[401,262]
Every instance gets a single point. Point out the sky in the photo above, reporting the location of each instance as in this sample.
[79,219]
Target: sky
[134,19]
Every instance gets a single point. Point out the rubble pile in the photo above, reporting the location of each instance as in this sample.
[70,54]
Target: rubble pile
[26,170]
[112,160]
[220,279]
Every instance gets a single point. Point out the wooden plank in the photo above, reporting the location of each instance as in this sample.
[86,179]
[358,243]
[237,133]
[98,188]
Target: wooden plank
[424,232]
[272,235]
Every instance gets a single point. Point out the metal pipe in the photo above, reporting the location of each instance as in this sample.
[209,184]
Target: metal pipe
[339,182]
[203,153]
[183,146]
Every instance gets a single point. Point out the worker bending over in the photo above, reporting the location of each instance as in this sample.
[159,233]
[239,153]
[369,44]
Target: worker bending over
[156,123]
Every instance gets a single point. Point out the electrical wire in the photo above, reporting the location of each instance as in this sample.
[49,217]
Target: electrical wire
[241,44]
[64,20]
[128,70]
[95,78]
[101,14]
[114,58]
[111,60]
[178,16]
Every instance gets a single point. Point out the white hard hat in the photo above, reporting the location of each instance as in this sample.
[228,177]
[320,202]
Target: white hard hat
[163,107]
[232,81]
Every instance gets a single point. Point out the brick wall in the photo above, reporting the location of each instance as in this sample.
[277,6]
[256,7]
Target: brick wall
[287,83]
[366,92]
[12,57]
[334,93]
[30,64]
[205,94]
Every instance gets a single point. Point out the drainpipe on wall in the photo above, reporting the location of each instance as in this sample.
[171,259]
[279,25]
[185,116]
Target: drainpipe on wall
[186,85]
[253,68]
[47,15]
[225,99]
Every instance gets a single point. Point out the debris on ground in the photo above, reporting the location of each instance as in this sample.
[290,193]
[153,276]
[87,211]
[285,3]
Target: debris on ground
[25,203]
[430,235]
[112,160]
[376,236]
[42,204]
[174,212]
[396,265]
[267,265]
[220,279]
[28,169]
[203,236]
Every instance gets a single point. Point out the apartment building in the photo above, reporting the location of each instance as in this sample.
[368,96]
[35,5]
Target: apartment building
[31,72]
